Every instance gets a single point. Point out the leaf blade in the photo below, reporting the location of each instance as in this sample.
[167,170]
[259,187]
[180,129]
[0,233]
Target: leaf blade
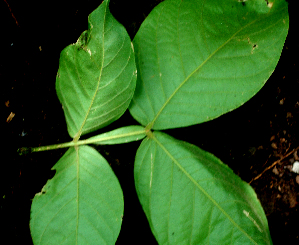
[97,75]
[197,60]
[82,204]
[189,196]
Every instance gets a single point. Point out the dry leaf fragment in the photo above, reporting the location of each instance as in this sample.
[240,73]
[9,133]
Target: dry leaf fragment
[10,117]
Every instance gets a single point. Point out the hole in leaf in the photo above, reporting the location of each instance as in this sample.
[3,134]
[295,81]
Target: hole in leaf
[254,46]
[269,4]
[243,2]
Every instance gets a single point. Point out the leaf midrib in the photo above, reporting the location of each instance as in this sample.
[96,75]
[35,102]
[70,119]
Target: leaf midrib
[198,68]
[201,189]
[77,136]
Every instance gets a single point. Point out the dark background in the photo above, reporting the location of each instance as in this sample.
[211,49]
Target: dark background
[263,132]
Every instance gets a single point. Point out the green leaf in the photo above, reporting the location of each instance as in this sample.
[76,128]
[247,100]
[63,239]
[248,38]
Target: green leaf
[119,136]
[82,204]
[97,75]
[198,59]
[190,197]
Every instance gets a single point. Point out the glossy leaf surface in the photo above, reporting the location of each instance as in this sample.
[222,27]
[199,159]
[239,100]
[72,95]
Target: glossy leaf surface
[97,75]
[190,197]
[82,204]
[198,59]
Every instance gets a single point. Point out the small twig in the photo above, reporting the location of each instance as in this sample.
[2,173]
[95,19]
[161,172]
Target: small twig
[12,15]
[273,164]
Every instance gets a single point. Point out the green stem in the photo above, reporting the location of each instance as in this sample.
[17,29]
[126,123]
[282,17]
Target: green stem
[83,142]
[54,147]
